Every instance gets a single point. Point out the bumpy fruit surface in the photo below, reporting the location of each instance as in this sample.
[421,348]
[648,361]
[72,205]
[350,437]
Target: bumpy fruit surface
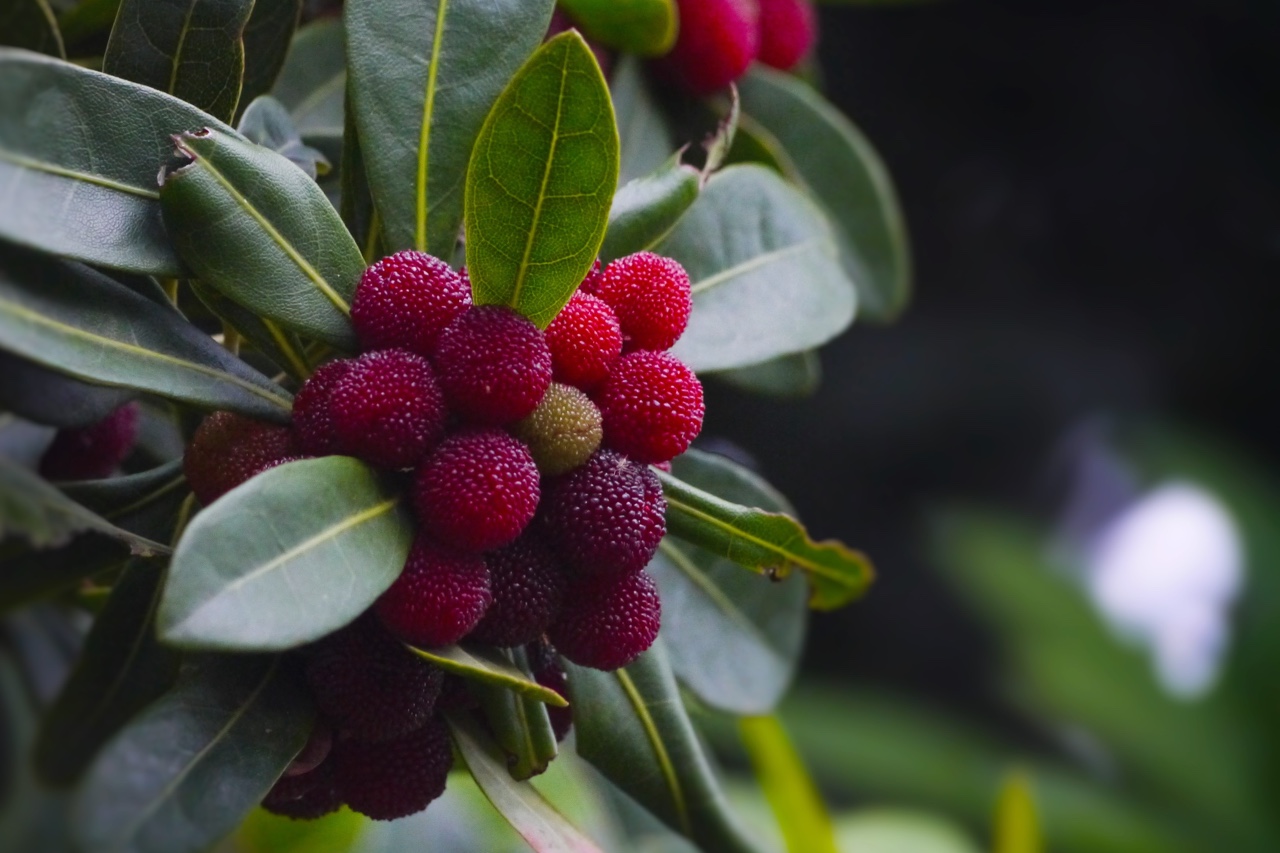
[527,588]
[313,411]
[591,282]
[718,39]
[394,778]
[228,449]
[92,452]
[607,517]
[438,598]
[494,365]
[607,622]
[368,684]
[388,409]
[651,406]
[787,30]
[651,296]
[478,490]
[585,340]
[544,663]
[563,431]
[405,300]
[306,796]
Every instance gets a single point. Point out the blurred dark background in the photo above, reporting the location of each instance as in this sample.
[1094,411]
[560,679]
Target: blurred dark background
[1091,191]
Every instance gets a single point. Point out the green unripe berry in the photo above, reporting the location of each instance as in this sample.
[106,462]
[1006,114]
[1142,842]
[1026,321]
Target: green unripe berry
[563,431]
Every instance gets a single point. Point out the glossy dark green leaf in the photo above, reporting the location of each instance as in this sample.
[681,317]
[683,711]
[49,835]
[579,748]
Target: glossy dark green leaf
[355,201]
[787,377]
[317,542]
[92,202]
[642,27]
[645,210]
[519,803]
[836,163]
[424,74]
[266,41]
[734,637]
[31,24]
[631,724]
[646,140]
[541,181]
[192,49]
[792,794]
[267,123]
[183,774]
[81,323]
[768,542]
[45,396]
[766,275]
[120,499]
[294,261]
[519,723]
[487,665]
[281,346]
[121,671]
[313,81]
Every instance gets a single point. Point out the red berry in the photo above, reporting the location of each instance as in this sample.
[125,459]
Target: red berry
[527,589]
[652,298]
[438,598]
[405,300]
[369,684]
[591,283]
[388,409]
[307,796]
[651,406]
[547,671]
[585,340]
[395,778]
[94,451]
[313,413]
[494,365]
[607,517]
[787,30]
[607,622]
[228,449]
[717,41]
[478,491]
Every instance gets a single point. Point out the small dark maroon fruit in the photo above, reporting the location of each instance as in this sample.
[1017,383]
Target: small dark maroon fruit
[394,778]
[787,32]
[388,409]
[306,796]
[606,622]
[527,588]
[313,411]
[229,449]
[438,598]
[94,451]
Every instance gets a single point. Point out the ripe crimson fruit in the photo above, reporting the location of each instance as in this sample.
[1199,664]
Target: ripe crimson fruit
[405,300]
[608,621]
[651,296]
[585,340]
[527,587]
[313,413]
[438,598]
[651,406]
[717,41]
[394,778]
[388,408]
[494,365]
[787,30]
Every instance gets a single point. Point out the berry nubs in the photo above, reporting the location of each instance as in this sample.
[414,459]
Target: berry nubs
[438,598]
[405,300]
[494,365]
[313,410]
[651,296]
[394,778]
[717,41]
[527,588]
[228,449]
[585,340]
[651,406]
[388,409]
[563,431]
[94,451]
[608,621]
[787,29]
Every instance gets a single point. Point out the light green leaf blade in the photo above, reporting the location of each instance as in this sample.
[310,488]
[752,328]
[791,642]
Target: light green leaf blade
[541,181]
[640,27]
[519,724]
[31,24]
[1017,828]
[484,664]
[795,800]
[317,542]
[424,74]
[646,140]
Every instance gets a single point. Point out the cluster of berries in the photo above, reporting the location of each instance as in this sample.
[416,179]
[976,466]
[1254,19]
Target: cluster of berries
[537,511]
[720,38]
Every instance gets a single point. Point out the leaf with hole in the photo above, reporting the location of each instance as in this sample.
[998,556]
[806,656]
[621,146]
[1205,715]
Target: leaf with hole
[487,665]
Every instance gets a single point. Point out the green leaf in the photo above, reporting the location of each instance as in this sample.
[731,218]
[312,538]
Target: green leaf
[786,377]
[47,397]
[633,727]
[266,41]
[355,201]
[317,542]
[31,24]
[642,27]
[646,140]
[519,803]
[424,74]
[540,183]
[121,671]
[883,830]
[645,210]
[96,203]
[281,346]
[485,665]
[1017,827]
[519,723]
[836,163]
[734,637]
[267,123]
[766,277]
[192,49]
[792,794]
[184,774]
[312,84]
[294,261]
[768,542]
[81,323]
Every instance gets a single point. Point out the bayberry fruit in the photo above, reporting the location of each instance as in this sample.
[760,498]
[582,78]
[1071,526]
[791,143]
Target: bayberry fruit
[307,796]
[228,449]
[591,282]
[438,598]
[388,409]
[563,431]
[544,663]
[527,587]
[314,751]
[394,778]
[787,30]
[405,300]
[94,451]
[478,490]
[608,621]
[369,684]
[651,296]
[313,411]
[494,365]
[585,340]
[717,41]
[651,406]
[607,517]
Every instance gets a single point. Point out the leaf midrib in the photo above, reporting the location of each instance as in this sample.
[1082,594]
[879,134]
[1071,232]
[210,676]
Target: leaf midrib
[63,172]
[755,263]
[659,748]
[518,685]
[182,42]
[424,132]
